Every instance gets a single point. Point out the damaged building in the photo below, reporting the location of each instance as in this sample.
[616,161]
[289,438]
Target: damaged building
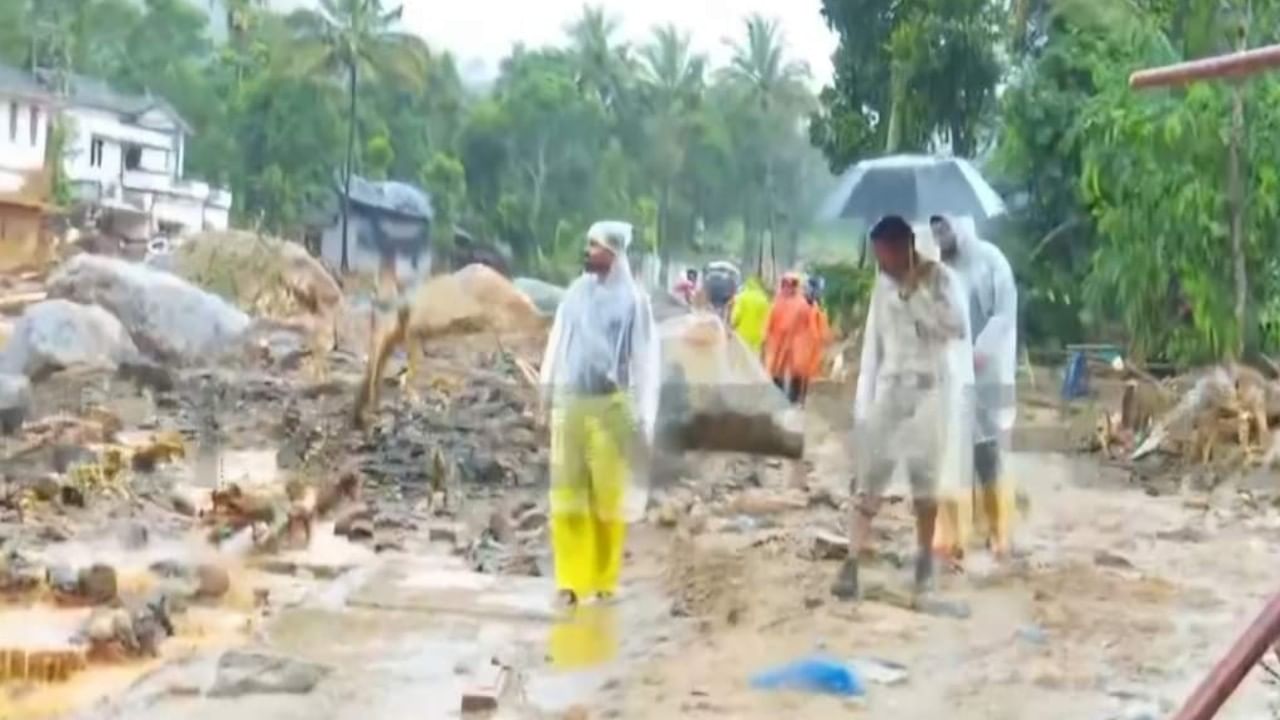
[123,155]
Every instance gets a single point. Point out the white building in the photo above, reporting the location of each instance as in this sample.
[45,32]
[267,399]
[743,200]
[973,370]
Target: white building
[25,108]
[123,154]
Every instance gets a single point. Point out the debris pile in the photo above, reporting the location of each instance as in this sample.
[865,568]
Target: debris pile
[1225,414]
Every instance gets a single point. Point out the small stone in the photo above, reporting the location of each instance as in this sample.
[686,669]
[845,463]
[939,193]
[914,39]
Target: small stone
[182,504]
[243,673]
[342,524]
[361,529]
[1104,558]
[212,582]
[443,534]
[98,584]
[72,496]
[828,545]
[1033,634]
[47,488]
[490,689]
[532,519]
[63,579]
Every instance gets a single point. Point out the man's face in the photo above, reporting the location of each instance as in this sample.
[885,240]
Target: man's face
[692,276]
[893,256]
[789,286]
[945,236]
[598,258]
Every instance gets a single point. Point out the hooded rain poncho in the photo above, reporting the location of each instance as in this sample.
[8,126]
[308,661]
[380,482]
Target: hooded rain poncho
[601,376]
[919,343]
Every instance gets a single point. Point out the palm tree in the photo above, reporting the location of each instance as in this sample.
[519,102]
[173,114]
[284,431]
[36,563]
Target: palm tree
[761,68]
[673,73]
[603,65]
[355,38]
[674,80]
[773,88]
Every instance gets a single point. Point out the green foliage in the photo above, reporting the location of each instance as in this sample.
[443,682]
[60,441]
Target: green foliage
[700,160]
[908,72]
[847,292]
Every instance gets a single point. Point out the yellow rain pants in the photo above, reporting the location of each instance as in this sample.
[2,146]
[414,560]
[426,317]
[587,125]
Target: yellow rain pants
[964,518]
[590,439]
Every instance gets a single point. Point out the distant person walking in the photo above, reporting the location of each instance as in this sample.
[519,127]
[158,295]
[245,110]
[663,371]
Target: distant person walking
[749,314]
[600,373]
[687,288]
[791,335]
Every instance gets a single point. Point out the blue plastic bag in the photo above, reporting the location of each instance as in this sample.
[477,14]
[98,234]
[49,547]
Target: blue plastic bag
[816,674]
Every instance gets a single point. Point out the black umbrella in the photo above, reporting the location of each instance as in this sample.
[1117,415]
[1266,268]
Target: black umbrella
[913,186]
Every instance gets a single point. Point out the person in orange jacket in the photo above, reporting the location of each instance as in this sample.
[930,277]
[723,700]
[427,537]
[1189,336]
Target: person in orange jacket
[791,337]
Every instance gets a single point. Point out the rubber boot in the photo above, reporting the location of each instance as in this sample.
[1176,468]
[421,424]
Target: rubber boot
[846,584]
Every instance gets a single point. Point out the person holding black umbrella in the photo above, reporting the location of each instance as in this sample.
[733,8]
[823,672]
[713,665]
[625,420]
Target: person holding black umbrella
[911,407]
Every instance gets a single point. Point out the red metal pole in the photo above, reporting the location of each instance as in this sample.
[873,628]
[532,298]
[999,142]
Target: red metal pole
[1232,669]
[1248,62]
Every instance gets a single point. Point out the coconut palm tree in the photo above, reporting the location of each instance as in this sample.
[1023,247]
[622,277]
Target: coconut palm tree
[772,90]
[356,38]
[603,65]
[674,79]
[761,68]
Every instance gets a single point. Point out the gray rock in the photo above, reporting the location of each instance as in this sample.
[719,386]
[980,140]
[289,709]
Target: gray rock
[15,402]
[57,334]
[168,318]
[545,296]
[98,584]
[248,673]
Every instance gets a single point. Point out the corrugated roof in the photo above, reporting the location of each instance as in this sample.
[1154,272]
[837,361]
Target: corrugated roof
[16,81]
[394,197]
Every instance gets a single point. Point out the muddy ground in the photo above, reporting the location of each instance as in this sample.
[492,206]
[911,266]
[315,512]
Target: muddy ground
[1131,589]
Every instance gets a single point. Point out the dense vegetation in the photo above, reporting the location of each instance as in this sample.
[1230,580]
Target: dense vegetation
[698,157]
[1149,218]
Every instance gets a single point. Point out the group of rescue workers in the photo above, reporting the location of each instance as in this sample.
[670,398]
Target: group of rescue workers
[935,392]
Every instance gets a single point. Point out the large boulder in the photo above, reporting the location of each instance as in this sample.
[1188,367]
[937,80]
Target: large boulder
[716,397]
[168,318]
[286,280]
[506,307]
[57,334]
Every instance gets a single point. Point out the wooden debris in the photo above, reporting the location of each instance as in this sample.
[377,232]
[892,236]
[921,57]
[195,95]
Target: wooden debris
[1232,403]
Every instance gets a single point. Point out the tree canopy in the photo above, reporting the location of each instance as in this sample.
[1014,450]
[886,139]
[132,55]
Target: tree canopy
[702,159]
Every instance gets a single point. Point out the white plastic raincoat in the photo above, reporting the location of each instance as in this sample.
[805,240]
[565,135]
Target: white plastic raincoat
[925,335]
[604,341]
[993,319]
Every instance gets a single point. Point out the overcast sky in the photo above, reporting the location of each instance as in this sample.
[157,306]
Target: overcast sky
[483,31]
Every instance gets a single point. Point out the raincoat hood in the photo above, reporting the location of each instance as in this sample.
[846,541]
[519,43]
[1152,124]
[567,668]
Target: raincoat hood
[993,314]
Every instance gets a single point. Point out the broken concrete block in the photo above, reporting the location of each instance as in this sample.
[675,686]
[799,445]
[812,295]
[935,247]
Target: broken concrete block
[492,684]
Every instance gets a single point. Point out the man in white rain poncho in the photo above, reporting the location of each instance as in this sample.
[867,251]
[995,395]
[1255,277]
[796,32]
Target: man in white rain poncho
[993,321]
[601,374]
[911,409]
